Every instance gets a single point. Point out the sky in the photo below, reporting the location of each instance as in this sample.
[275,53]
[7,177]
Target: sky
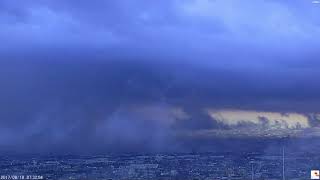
[100,76]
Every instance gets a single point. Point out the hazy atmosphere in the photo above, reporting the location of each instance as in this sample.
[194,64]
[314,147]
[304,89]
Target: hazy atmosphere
[170,75]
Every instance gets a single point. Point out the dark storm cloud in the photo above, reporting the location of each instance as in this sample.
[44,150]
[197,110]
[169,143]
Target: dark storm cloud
[71,71]
[88,104]
[198,25]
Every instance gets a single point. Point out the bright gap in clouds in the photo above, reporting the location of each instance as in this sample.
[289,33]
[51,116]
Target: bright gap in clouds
[236,117]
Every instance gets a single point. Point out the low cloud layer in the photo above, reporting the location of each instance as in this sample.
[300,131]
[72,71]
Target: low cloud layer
[288,120]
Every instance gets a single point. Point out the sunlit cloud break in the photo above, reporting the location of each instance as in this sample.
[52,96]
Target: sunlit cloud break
[280,120]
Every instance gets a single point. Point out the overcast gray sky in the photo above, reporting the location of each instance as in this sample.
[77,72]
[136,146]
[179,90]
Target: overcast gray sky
[139,74]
